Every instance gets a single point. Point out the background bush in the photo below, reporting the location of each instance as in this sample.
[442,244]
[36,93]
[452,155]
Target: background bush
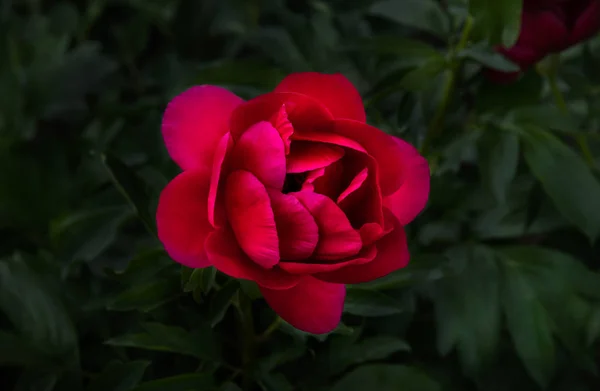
[502,292]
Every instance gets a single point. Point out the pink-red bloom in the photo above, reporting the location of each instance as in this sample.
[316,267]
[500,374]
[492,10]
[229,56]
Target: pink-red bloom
[550,26]
[292,190]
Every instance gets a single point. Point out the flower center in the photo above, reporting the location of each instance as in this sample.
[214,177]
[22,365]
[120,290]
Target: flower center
[293,182]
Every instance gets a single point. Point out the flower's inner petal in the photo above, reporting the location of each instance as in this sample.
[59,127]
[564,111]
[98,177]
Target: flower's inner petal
[297,230]
[261,151]
[307,156]
[366,254]
[223,147]
[250,214]
[283,125]
[337,238]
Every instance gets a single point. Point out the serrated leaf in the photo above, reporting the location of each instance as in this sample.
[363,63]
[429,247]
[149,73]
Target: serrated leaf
[117,376]
[566,178]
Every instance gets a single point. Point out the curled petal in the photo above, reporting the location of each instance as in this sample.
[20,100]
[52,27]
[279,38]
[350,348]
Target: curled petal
[312,306]
[249,212]
[182,218]
[261,151]
[303,112]
[194,122]
[298,233]
[226,255]
[283,125]
[365,255]
[334,91]
[223,147]
[307,156]
[392,254]
[337,238]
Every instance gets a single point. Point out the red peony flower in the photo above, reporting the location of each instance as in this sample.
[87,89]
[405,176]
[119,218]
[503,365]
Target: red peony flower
[292,190]
[549,26]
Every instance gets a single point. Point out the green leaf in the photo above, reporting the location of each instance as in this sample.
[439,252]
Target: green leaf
[221,302]
[566,178]
[131,187]
[201,343]
[498,159]
[406,49]
[424,15]
[187,382]
[118,376]
[145,296]
[371,303]
[36,380]
[529,325]
[385,377]
[36,312]
[371,349]
[423,76]
[497,21]
[547,116]
[230,387]
[15,350]
[488,58]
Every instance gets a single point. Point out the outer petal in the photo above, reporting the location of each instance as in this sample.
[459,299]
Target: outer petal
[260,150]
[335,92]
[307,156]
[182,218]
[312,306]
[194,122]
[298,233]
[410,199]
[587,24]
[249,212]
[303,112]
[392,254]
[337,238]
[381,146]
[226,255]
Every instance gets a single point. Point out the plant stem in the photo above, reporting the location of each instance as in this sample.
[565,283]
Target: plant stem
[437,123]
[272,327]
[248,338]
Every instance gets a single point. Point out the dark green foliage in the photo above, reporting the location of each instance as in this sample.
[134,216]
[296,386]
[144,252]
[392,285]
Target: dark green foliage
[502,292]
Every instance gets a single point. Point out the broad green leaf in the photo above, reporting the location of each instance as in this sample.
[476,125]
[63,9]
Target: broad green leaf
[547,116]
[498,159]
[420,269]
[145,296]
[36,312]
[118,376]
[386,377]
[529,325]
[566,179]
[408,50]
[131,187]
[371,303]
[198,343]
[275,382]
[424,15]
[144,266]
[371,349]
[36,380]
[497,21]
[15,350]
[187,382]
[423,76]
[488,58]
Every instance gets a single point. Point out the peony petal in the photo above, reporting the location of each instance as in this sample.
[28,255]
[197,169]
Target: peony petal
[328,138]
[249,212]
[283,125]
[307,156]
[261,151]
[356,183]
[310,179]
[410,199]
[367,254]
[298,233]
[181,218]
[226,255]
[392,254]
[587,24]
[334,91]
[381,146]
[312,306]
[303,112]
[194,122]
[223,147]
[337,238]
